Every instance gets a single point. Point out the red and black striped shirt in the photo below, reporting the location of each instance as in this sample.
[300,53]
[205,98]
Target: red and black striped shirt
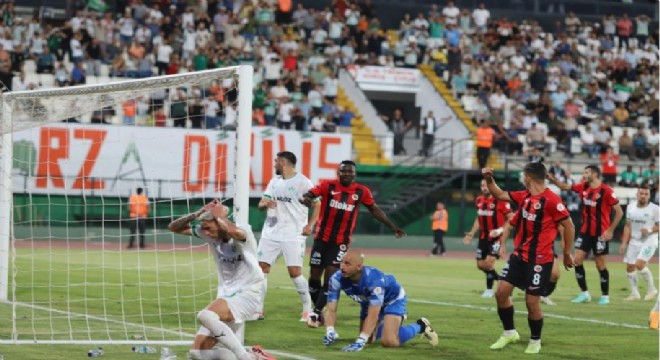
[491,214]
[596,208]
[536,224]
[339,210]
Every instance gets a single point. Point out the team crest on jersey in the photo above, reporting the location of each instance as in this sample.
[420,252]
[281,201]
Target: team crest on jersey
[342,247]
[378,290]
[538,268]
[492,206]
[537,206]
[354,197]
[561,207]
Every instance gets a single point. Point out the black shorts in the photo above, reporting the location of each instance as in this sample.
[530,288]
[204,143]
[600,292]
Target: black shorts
[588,243]
[327,254]
[487,248]
[533,278]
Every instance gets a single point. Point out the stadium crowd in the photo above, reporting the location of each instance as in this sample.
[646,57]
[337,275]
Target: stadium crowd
[590,85]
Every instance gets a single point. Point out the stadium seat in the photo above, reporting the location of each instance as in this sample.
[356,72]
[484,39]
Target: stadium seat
[625,194]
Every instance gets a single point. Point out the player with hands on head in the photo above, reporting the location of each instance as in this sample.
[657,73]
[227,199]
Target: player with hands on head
[382,306]
[598,201]
[540,216]
[234,249]
[340,201]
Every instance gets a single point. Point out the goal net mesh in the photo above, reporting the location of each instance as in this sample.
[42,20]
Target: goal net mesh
[76,272]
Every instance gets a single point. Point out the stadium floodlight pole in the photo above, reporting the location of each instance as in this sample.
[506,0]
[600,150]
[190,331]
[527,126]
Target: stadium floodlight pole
[242,157]
[6,154]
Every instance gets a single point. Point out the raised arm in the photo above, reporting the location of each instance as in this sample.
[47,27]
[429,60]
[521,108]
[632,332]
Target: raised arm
[495,190]
[182,224]
[382,217]
[558,183]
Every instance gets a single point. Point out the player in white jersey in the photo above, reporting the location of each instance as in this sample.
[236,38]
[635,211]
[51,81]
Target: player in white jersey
[239,279]
[640,234]
[286,227]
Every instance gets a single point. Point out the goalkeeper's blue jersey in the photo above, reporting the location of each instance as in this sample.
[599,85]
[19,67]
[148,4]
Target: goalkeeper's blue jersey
[374,289]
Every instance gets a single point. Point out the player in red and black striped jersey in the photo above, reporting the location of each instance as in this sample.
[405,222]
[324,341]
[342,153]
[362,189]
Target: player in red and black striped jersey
[598,201]
[541,215]
[492,214]
[340,202]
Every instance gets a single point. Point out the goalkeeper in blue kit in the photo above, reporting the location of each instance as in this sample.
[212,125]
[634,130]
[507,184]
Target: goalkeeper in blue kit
[383,306]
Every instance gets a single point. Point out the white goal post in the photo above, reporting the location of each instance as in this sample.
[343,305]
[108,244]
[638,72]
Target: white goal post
[68,283]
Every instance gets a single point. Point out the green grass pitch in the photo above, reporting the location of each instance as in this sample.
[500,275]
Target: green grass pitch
[445,290]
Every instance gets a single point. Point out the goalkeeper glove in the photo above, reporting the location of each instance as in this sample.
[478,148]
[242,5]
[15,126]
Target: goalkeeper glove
[358,345]
[330,336]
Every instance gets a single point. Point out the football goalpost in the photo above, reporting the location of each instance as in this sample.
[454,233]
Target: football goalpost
[67,275]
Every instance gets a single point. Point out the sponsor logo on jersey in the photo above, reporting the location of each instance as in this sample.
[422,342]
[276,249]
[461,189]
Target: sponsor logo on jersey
[359,298]
[485,213]
[528,216]
[284,199]
[333,193]
[341,205]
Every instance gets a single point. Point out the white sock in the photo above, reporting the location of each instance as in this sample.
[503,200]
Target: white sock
[632,281]
[303,291]
[510,332]
[212,354]
[221,332]
[647,275]
[264,290]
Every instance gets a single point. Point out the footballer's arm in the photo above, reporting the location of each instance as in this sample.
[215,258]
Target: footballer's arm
[370,322]
[307,199]
[618,215]
[470,234]
[331,314]
[625,237]
[382,217]
[182,224]
[307,230]
[495,190]
[568,234]
[561,185]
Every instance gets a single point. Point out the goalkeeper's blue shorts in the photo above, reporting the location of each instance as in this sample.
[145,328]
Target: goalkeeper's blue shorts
[396,307]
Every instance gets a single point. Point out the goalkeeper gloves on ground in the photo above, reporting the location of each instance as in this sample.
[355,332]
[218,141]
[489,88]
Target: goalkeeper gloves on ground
[358,345]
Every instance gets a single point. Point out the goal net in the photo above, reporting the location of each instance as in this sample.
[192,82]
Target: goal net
[71,158]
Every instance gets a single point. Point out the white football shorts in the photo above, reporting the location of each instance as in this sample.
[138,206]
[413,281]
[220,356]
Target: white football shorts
[270,250]
[639,251]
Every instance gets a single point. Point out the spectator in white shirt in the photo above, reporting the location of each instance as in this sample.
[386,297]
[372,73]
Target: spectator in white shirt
[497,100]
[77,54]
[284,114]
[318,122]
[126,29]
[211,110]
[451,13]
[330,85]
[163,54]
[279,91]
[589,142]
[480,17]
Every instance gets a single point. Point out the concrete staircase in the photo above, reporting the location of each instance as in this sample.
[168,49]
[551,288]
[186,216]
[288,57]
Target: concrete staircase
[444,91]
[366,147]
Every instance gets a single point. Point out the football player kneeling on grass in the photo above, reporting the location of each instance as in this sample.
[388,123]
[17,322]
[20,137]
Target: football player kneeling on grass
[383,305]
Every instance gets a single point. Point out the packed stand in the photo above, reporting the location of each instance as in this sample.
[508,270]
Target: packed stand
[296,54]
[579,87]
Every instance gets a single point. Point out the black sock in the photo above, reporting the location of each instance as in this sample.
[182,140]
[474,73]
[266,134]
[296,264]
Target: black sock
[604,281]
[506,316]
[322,300]
[535,327]
[550,288]
[491,276]
[314,289]
[581,277]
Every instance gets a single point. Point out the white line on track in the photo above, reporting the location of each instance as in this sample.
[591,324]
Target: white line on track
[493,309]
[153,328]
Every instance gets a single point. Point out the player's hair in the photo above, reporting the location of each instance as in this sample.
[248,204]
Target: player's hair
[139,191]
[347,162]
[593,168]
[536,171]
[644,186]
[207,216]
[288,155]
